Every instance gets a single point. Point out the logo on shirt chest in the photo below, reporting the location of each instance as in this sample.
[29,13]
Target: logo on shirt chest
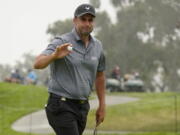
[93,58]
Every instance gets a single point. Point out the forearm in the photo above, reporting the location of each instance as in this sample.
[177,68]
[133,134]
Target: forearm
[100,88]
[43,61]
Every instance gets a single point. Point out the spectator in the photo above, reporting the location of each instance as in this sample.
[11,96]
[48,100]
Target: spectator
[116,73]
[31,77]
[15,77]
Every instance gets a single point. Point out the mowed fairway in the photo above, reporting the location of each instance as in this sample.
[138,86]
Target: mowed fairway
[154,112]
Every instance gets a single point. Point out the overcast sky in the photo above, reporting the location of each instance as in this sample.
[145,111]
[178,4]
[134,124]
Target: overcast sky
[24,22]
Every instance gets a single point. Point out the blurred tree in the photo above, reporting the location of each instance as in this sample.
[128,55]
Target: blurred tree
[96,3]
[59,27]
[145,32]
[5,71]
[148,17]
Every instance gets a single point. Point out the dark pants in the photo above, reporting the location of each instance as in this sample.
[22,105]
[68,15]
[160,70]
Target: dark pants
[67,117]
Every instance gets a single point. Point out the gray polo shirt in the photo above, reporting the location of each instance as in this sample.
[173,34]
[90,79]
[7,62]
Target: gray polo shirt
[73,76]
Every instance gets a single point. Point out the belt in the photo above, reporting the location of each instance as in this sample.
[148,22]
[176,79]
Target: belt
[77,101]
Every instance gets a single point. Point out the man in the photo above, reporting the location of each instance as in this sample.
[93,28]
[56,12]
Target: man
[31,77]
[73,73]
[116,73]
[15,77]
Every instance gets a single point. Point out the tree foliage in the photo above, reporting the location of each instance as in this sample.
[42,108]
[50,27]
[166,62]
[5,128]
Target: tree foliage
[95,3]
[143,34]
[59,27]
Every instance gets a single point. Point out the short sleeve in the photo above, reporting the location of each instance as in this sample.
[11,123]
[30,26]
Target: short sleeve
[52,46]
[102,62]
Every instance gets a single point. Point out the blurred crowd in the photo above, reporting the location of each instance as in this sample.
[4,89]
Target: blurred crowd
[31,77]
[116,74]
[15,77]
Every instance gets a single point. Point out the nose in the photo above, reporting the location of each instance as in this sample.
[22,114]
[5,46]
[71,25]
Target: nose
[87,22]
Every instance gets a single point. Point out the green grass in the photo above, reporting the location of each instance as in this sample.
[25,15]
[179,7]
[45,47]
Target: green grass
[155,133]
[153,112]
[16,101]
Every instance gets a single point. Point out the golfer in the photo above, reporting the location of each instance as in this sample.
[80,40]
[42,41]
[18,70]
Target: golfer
[72,74]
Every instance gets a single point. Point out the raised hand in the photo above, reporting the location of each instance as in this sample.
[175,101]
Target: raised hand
[62,51]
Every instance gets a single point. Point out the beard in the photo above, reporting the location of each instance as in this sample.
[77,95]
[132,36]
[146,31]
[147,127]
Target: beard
[85,31]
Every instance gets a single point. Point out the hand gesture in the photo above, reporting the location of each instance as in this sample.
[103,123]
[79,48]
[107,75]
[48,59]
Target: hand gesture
[62,51]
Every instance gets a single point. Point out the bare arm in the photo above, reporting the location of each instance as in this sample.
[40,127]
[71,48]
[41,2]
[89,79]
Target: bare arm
[100,90]
[43,61]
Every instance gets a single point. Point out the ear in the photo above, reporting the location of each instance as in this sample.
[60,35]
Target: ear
[74,20]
